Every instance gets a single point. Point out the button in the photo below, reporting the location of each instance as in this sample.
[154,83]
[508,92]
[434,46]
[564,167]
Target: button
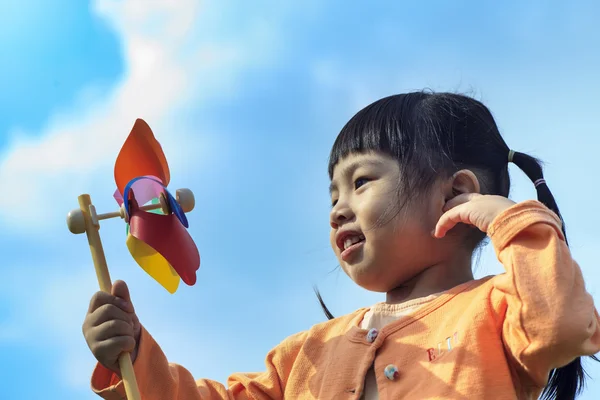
[372,335]
[391,372]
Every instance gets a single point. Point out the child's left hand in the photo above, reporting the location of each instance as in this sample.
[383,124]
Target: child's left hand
[473,209]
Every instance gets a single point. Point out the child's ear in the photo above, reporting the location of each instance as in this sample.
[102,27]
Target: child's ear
[463,182]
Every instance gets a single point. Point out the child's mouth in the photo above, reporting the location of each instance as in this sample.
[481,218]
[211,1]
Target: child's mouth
[351,245]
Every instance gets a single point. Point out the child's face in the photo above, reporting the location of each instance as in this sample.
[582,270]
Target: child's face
[378,246]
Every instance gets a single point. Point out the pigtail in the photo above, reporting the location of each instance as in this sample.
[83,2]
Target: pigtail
[533,169]
[566,382]
[326,311]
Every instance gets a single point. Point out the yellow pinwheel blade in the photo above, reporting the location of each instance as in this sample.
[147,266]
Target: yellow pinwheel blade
[153,263]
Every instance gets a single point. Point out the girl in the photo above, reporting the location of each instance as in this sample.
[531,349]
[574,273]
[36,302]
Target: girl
[417,181]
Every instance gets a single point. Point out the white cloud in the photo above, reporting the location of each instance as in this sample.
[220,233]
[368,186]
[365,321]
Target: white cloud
[47,310]
[166,65]
[50,317]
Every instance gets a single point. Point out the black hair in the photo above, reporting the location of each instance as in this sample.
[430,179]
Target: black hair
[433,135]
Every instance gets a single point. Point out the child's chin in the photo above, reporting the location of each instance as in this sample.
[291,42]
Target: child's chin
[367,278]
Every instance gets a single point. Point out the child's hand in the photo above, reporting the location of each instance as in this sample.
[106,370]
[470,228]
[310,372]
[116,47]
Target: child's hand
[111,326]
[473,209]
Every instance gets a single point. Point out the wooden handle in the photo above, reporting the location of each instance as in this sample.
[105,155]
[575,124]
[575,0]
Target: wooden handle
[93,236]
[129,381]
[184,197]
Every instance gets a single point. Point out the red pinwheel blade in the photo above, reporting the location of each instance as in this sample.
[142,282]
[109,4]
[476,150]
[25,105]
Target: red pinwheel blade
[167,235]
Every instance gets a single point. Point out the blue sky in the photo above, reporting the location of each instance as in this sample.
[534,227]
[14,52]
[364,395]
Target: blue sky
[246,99]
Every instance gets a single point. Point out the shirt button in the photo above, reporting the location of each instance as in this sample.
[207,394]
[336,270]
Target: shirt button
[391,372]
[372,335]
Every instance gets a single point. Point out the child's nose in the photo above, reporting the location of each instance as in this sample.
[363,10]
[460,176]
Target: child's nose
[339,214]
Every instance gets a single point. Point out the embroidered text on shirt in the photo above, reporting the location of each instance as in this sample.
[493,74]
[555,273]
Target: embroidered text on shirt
[443,347]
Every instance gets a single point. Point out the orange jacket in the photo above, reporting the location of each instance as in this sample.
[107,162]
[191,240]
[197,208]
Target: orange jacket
[493,338]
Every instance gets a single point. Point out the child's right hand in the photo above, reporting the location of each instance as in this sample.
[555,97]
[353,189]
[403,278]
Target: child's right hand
[111,326]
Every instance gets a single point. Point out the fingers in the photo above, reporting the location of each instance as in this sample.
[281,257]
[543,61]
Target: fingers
[105,307]
[113,347]
[448,221]
[109,312]
[455,212]
[137,327]
[101,298]
[120,289]
[109,331]
[112,328]
[460,199]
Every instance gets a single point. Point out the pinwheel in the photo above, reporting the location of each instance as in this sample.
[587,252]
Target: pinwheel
[156,234]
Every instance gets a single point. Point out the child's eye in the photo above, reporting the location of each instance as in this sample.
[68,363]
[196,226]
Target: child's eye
[333,203]
[359,182]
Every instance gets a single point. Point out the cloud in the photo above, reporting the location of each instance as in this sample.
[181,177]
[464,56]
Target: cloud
[49,318]
[171,60]
[47,310]
[166,66]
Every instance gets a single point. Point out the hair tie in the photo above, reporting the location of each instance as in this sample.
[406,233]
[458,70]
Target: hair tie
[539,182]
[511,154]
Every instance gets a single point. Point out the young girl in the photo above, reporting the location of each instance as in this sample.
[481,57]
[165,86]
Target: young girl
[417,181]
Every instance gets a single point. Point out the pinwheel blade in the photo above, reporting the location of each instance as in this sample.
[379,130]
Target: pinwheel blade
[141,155]
[153,263]
[145,188]
[169,238]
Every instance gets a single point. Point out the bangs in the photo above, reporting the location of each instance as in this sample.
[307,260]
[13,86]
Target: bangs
[392,126]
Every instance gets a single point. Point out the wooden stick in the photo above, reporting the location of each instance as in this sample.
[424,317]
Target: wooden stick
[93,236]
[121,214]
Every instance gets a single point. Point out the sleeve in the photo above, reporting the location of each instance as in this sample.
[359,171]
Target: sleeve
[546,315]
[159,380]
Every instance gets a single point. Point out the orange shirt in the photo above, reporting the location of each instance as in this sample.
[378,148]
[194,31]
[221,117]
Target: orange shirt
[493,338]
[378,316]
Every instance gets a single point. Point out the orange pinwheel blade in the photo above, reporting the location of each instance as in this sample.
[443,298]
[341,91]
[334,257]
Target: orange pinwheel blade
[141,155]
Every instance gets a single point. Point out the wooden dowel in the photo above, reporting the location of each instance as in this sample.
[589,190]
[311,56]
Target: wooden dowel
[114,214]
[93,236]
[120,213]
